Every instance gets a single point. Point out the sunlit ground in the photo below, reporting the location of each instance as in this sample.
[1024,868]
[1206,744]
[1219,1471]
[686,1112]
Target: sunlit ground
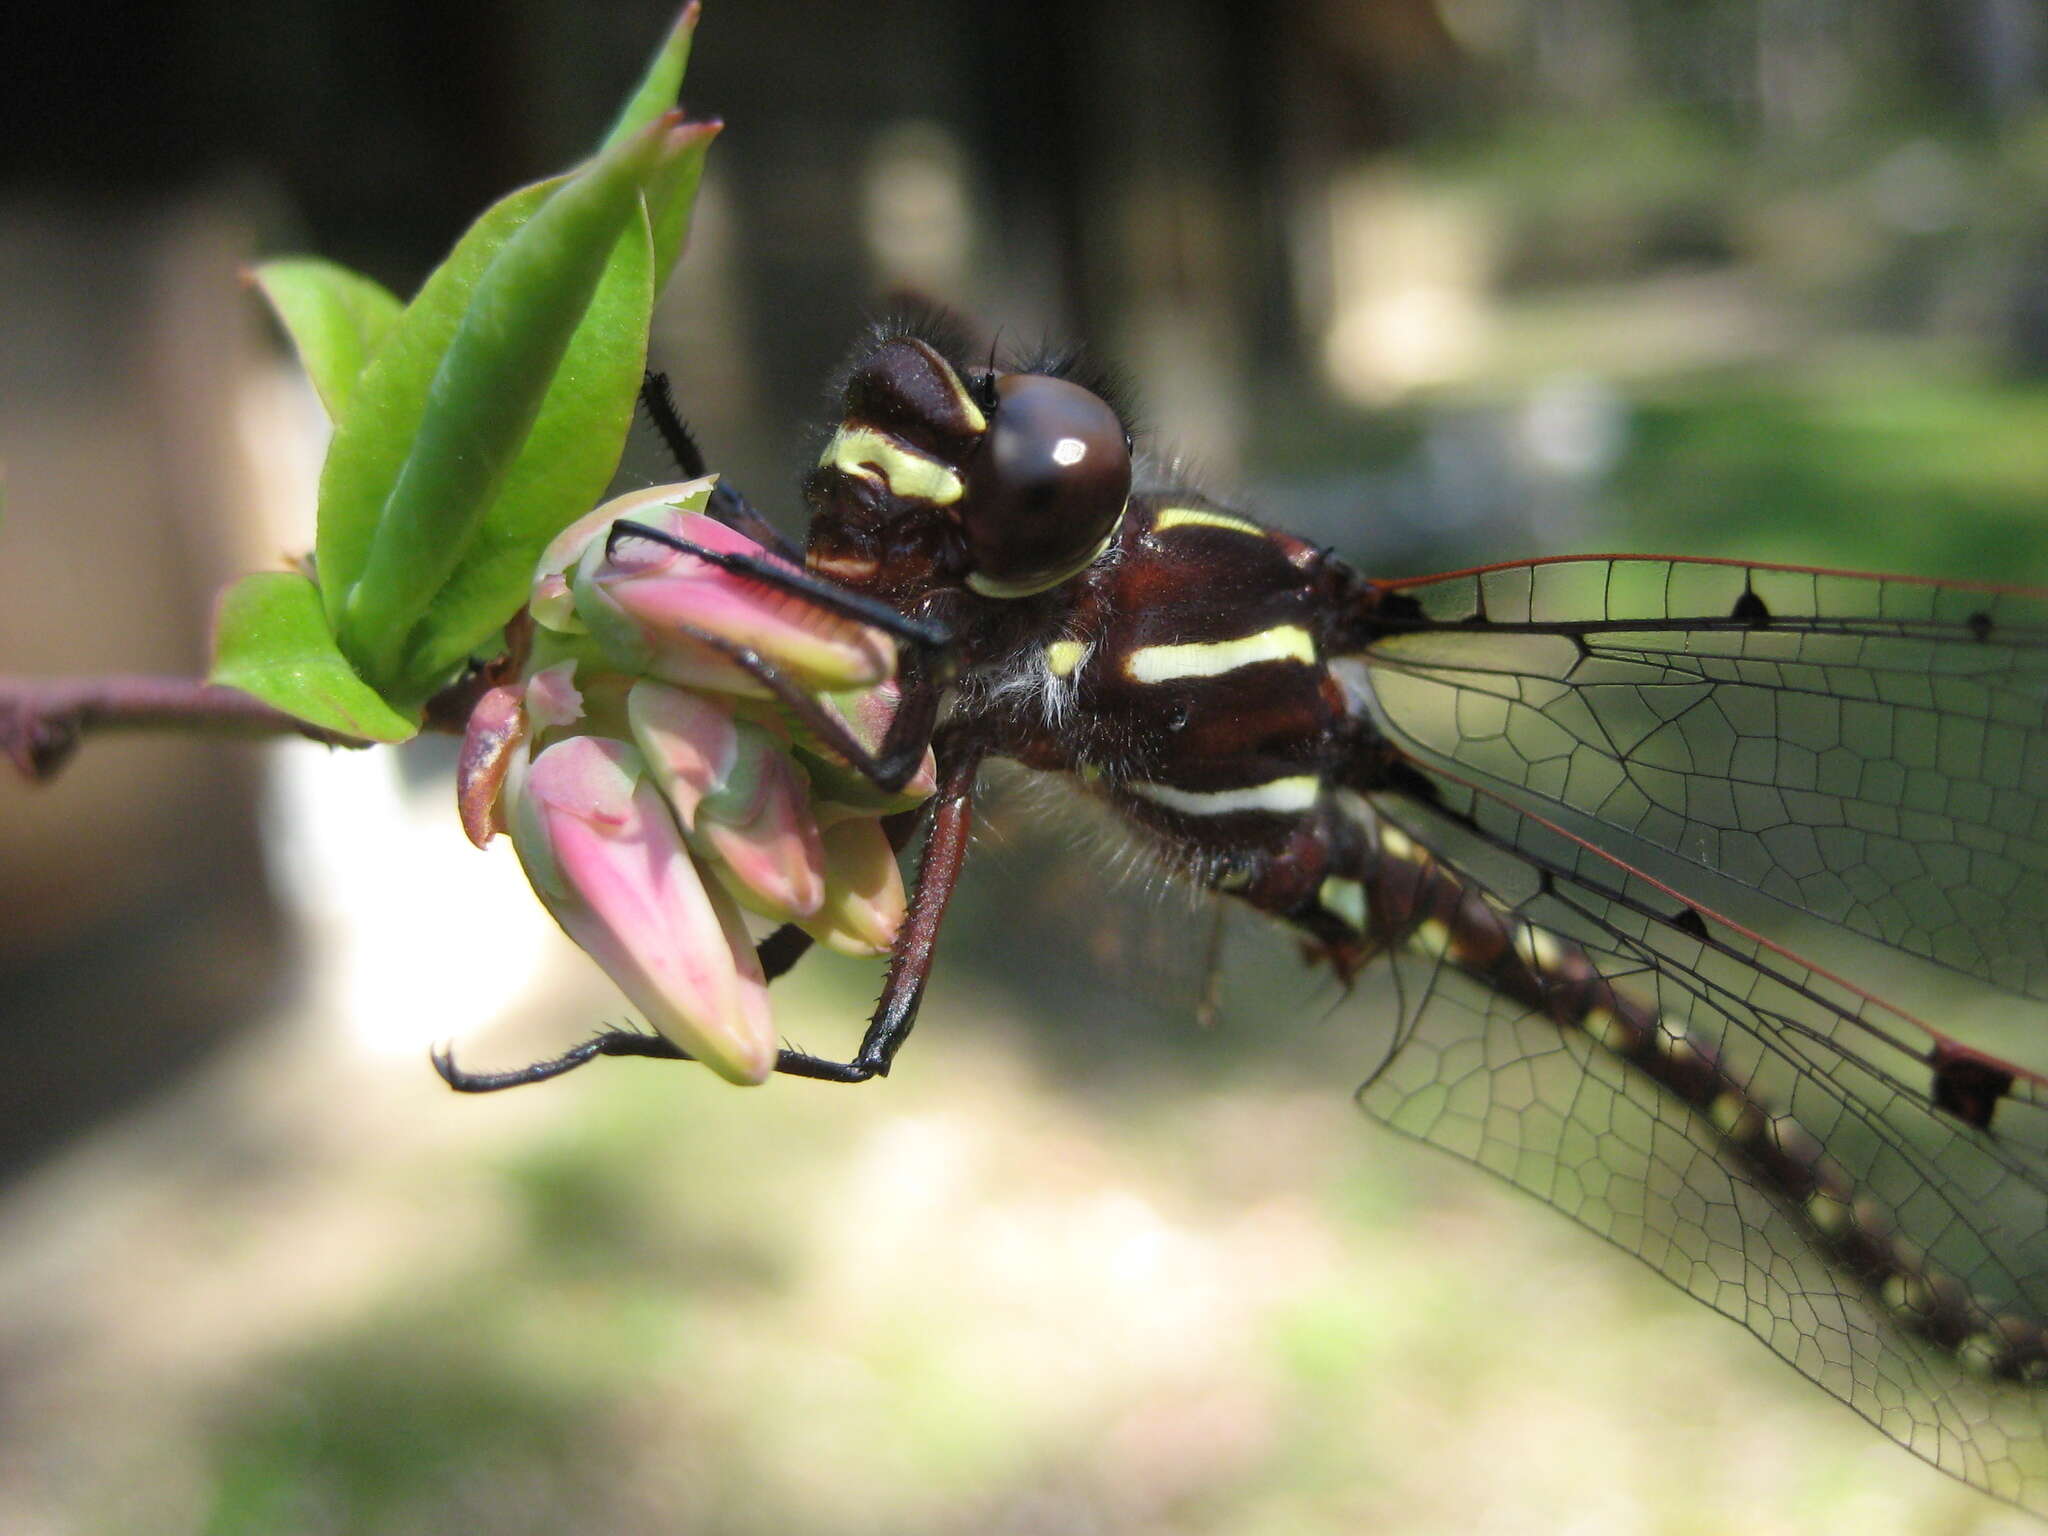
[1019,1288]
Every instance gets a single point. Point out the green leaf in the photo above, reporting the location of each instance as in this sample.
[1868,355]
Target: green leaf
[673,190]
[660,83]
[562,469]
[336,319]
[370,443]
[672,195]
[271,640]
[476,409]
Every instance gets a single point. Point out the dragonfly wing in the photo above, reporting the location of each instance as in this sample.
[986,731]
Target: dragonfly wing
[1799,1181]
[1871,750]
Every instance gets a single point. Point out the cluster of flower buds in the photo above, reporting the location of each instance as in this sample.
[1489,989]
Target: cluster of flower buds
[654,788]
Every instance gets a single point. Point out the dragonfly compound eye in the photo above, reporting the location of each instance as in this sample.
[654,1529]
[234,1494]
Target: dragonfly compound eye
[1046,488]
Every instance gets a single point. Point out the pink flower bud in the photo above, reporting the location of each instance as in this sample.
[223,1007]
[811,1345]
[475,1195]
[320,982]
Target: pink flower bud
[552,605]
[864,902]
[738,795]
[553,699]
[837,788]
[637,602]
[608,860]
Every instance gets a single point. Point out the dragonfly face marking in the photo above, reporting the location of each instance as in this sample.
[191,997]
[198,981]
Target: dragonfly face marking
[903,471]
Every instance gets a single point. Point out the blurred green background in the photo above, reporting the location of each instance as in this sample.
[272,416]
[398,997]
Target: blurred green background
[1437,281]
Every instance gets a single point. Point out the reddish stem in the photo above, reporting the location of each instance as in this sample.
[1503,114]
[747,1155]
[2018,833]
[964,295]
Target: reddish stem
[43,719]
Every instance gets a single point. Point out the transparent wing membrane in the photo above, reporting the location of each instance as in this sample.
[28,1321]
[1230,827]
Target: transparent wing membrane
[1871,750]
[1759,1133]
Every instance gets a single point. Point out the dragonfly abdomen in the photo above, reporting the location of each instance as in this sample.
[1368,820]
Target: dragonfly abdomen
[1414,901]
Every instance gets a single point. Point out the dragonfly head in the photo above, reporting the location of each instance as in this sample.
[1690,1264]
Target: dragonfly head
[1005,483]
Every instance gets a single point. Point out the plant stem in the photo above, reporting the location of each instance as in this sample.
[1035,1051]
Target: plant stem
[42,720]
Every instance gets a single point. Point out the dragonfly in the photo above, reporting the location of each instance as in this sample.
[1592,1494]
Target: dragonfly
[1552,810]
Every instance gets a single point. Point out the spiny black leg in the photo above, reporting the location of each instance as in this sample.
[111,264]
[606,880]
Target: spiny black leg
[910,960]
[922,668]
[659,402]
[623,1042]
[727,504]
[781,950]
[737,513]
[613,1042]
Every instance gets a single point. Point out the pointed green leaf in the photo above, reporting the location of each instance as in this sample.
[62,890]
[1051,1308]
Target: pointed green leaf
[672,195]
[271,640]
[370,444]
[673,190]
[480,404]
[660,83]
[562,470]
[336,319]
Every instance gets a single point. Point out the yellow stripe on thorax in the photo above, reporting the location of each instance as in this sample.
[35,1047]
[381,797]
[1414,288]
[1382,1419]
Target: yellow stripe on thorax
[1202,517]
[1063,656]
[1212,658]
[902,470]
[1281,796]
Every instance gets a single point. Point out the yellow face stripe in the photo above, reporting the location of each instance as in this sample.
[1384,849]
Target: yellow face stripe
[1063,656]
[900,469]
[1212,658]
[976,422]
[1281,796]
[1202,517]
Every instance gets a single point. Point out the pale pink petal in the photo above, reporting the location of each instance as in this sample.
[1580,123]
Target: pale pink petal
[658,506]
[761,827]
[688,739]
[609,862]
[552,697]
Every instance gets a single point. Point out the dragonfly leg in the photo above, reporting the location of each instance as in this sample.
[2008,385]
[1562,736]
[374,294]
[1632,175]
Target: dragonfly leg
[610,1042]
[910,960]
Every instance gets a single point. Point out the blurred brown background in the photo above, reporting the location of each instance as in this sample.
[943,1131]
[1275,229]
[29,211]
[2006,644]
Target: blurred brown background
[1434,280]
